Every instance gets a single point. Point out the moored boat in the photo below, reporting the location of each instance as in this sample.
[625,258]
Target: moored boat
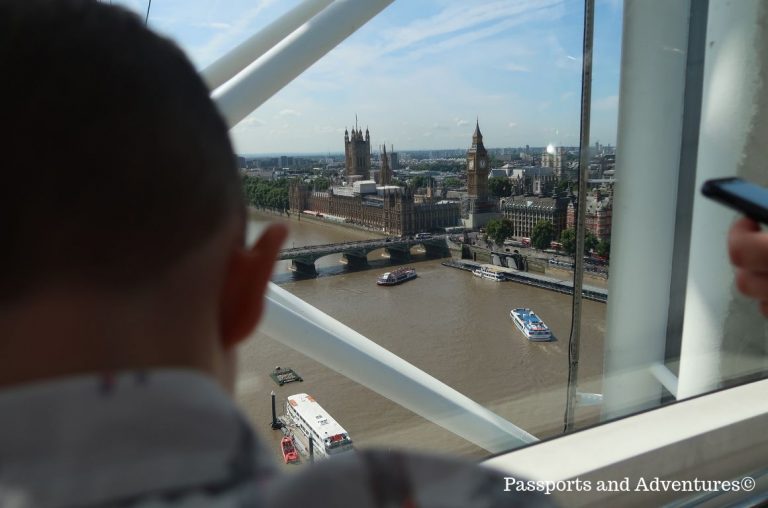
[488,273]
[396,276]
[290,455]
[530,324]
[310,421]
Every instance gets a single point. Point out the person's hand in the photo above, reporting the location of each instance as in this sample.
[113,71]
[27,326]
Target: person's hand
[748,248]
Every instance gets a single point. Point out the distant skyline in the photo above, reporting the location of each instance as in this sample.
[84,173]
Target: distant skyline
[420,74]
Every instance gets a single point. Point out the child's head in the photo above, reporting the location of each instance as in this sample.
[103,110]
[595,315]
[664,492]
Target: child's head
[116,160]
[119,180]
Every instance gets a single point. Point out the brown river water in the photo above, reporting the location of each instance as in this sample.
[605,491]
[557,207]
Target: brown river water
[452,325]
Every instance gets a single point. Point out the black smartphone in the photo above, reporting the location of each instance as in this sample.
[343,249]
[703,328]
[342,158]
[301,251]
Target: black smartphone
[741,195]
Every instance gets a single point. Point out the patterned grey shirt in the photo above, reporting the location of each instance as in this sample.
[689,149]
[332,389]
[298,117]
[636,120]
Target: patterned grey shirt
[157,438]
[174,438]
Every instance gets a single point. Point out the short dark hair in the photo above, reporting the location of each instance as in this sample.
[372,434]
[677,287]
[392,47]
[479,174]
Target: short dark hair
[115,161]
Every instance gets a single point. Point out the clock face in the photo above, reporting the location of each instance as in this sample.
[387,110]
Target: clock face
[482,163]
[471,164]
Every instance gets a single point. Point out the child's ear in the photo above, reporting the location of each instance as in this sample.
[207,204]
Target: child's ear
[242,299]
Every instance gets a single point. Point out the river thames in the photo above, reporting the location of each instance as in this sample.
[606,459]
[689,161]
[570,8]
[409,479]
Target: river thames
[452,325]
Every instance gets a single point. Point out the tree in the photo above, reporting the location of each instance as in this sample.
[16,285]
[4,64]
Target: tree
[542,234]
[321,183]
[419,181]
[499,186]
[568,239]
[604,248]
[452,183]
[499,230]
[266,193]
[590,242]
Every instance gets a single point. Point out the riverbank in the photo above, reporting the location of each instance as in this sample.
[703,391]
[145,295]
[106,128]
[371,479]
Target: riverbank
[564,286]
[303,217]
[446,322]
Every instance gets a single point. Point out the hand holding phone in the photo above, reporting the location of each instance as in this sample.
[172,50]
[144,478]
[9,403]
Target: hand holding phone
[747,243]
[741,195]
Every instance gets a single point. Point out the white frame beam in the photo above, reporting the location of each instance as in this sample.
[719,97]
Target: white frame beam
[249,89]
[226,67]
[653,70]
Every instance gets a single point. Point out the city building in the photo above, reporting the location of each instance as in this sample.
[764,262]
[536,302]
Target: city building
[477,168]
[390,209]
[525,212]
[477,208]
[357,151]
[533,180]
[286,161]
[362,202]
[557,160]
[597,218]
[394,159]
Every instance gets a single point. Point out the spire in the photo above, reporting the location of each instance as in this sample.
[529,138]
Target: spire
[477,133]
[385,176]
[477,138]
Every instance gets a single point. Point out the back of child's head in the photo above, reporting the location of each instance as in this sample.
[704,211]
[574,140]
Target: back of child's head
[115,160]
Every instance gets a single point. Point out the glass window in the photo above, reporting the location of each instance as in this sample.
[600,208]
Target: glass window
[467,118]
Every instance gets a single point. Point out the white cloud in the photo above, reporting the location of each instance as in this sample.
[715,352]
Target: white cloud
[288,112]
[248,123]
[561,58]
[456,27]
[402,91]
[461,16]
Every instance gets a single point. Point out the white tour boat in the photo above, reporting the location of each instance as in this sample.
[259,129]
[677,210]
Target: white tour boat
[310,420]
[530,324]
[488,273]
[396,276]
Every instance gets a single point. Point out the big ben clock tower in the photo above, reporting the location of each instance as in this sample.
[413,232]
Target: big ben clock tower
[477,170]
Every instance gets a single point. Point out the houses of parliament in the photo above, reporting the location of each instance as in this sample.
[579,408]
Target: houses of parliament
[378,205]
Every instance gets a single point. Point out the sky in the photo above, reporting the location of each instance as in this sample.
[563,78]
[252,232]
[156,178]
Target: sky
[420,73]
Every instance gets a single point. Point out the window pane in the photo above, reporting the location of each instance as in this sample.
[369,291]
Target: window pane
[424,80]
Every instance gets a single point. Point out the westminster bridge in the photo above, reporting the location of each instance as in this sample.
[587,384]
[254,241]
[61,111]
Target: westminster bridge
[355,254]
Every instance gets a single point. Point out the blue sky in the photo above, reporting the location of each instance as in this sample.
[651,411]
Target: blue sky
[420,73]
